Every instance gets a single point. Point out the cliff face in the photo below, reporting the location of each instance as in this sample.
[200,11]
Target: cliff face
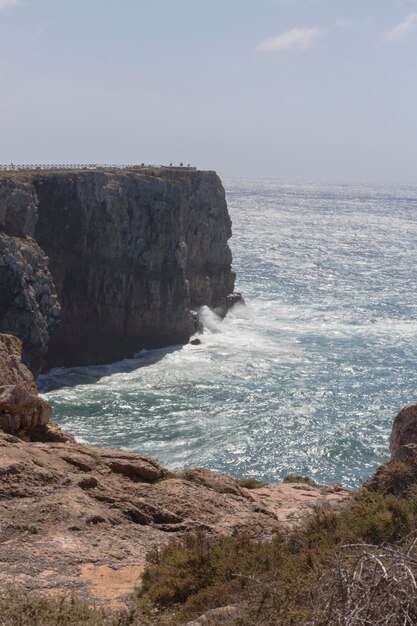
[132,254]
[28,302]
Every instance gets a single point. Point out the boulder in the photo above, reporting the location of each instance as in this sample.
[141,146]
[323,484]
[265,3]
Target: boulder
[404,432]
[21,410]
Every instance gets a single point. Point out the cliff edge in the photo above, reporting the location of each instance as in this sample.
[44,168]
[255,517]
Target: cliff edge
[123,258]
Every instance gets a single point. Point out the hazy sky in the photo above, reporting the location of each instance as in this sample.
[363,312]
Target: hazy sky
[316,89]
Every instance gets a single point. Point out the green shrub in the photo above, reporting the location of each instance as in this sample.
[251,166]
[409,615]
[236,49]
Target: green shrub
[294,478]
[185,571]
[95,455]
[395,477]
[33,529]
[250,483]
[273,582]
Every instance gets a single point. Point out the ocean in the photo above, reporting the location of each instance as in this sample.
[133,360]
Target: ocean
[307,377]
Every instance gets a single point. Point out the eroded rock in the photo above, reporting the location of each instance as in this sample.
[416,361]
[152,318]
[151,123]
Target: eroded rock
[21,410]
[213,480]
[29,307]
[136,469]
[12,370]
[91,520]
[404,433]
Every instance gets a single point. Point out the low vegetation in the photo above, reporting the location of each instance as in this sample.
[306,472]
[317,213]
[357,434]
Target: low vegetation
[294,478]
[356,566]
[33,529]
[22,609]
[95,456]
[251,483]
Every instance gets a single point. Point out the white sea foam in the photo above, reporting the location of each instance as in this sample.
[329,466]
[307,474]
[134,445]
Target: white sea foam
[307,377]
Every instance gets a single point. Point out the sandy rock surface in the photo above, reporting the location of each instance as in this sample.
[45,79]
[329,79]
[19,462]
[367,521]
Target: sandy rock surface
[81,519]
[290,502]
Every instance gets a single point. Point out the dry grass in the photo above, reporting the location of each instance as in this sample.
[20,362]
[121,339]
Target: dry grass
[18,608]
[371,585]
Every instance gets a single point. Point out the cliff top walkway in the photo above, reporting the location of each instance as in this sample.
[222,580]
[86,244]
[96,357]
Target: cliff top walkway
[93,166]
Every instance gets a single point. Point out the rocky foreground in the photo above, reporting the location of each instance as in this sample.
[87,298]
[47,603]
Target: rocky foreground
[80,518]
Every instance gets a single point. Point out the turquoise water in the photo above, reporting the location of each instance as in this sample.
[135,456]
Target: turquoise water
[307,377]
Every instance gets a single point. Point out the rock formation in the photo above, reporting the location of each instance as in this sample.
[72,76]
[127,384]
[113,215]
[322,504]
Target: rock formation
[403,439]
[28,302]
[132,255]
[21,410]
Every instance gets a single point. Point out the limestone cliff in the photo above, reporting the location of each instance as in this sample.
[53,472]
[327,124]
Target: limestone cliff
[28,303]
[132,254]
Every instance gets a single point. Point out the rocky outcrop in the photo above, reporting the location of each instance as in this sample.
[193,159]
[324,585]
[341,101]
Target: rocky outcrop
[28,301]
[403,439]
[132,254]
[77,518]
[12,370]
[21,410]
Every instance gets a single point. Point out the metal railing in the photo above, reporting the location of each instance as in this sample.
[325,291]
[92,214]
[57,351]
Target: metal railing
[73,166]
[12,167]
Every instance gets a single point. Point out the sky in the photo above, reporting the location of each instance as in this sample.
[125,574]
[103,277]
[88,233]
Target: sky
[288,89]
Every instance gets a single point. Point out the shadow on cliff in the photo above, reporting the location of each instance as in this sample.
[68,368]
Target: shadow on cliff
[58,378]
